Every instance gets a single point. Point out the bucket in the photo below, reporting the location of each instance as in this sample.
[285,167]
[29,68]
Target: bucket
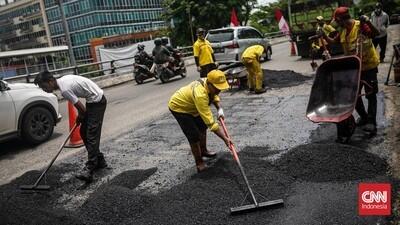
[397,73]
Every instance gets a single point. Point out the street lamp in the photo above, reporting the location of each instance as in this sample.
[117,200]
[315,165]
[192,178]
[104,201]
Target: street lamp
[67,35]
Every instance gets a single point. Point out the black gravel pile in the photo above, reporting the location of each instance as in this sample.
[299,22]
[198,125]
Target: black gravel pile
[331,162]
[283,78]
[203,199]
[115,201]
[30,207]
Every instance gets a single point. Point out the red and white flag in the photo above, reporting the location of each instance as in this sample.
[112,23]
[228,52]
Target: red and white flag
[283,26]
[234,19]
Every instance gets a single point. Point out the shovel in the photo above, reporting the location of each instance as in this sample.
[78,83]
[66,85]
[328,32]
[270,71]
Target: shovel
[36,186]
[255,204]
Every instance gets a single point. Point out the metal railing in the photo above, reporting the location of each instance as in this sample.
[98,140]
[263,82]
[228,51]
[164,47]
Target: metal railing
[100,71]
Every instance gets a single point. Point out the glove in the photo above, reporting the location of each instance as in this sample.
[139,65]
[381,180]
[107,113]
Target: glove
[364,19]
[221,113]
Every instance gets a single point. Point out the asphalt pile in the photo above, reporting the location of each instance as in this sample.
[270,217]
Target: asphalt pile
[331,162]
[30,207]
[283,78]
[203,198]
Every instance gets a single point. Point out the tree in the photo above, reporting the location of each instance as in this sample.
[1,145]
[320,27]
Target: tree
[209,14]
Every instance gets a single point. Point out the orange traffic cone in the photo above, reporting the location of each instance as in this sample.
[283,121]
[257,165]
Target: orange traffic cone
[75,141]
[293,49]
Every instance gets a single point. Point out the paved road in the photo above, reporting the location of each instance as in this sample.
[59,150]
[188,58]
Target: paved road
[129,105]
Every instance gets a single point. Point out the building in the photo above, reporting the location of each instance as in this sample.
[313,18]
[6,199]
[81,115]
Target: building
[91,19]
[22,25]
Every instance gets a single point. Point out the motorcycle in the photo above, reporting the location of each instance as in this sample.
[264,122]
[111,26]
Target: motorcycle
[171,68]
[142,72]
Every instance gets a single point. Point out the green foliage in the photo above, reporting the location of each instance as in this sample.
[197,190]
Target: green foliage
[389,6]
[209,14]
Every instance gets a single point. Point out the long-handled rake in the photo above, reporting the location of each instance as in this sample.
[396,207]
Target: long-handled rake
[256,205]
[36,186]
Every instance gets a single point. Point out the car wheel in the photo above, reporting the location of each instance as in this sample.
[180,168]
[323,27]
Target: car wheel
[37,125]
[268,55]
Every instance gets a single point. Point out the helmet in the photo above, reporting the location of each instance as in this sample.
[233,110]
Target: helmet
[341,13]
[319,18]
[200,31]
[164,40]
[140,47]
[157,41]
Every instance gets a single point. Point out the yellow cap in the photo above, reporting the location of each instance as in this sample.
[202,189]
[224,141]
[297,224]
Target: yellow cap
[218,79]
[319,18]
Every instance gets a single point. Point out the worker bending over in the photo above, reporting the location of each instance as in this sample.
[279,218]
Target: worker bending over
[190,106]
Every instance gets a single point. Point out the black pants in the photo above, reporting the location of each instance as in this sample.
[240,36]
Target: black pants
[192,127]
[371,89]
[205,69]
[91,131]
[346,127]
[382,41]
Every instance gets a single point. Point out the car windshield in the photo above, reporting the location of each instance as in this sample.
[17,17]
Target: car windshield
[220,35]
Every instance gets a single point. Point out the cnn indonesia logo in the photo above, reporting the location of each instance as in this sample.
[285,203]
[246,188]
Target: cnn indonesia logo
[374,199]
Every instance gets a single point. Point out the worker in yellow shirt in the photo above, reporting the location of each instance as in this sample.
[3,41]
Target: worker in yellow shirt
[319,43]
[362,31]
[190,106]
[251,60]
[203,54]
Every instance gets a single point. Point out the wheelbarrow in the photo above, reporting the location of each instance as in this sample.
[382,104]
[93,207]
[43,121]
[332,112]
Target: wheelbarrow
[235,73]
[335,90]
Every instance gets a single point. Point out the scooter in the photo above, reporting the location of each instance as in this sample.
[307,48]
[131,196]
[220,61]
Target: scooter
[235,73]
[171,68]
[142,72]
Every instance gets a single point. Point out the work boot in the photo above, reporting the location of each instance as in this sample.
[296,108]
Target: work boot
[86,175]
[260,91]
[371,129]
[208,154]
[361,121]
[101,163]
[343,140]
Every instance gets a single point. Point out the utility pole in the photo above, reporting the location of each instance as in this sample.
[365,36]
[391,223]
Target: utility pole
[190,23]
[67,35]
[290,13]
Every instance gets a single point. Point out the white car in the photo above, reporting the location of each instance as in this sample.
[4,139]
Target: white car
[28,112]
[229,43]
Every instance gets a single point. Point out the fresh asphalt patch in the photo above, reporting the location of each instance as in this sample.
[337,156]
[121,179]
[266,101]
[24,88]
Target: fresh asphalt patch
[331,162]
[283,78]
[206,198]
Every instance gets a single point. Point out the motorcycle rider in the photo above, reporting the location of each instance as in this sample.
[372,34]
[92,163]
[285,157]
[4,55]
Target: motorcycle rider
[165,43]
[160,53]
[142,58]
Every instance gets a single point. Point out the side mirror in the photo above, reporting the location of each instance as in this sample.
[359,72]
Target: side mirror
[3,86]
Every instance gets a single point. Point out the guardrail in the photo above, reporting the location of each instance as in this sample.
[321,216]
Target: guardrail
[58,72]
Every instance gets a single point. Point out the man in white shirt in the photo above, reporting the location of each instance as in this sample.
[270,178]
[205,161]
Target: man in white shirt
[72,88]
[381,21]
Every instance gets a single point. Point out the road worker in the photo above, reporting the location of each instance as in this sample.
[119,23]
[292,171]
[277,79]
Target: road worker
[251,59]
[190,106]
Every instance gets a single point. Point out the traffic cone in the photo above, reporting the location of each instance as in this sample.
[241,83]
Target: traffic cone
[75,140]
[293,49]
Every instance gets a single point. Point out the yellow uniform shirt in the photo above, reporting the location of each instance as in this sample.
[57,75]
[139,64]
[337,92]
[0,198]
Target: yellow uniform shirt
[253,52]
[194,99]
[327,29]
[203,50]
[370,57]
